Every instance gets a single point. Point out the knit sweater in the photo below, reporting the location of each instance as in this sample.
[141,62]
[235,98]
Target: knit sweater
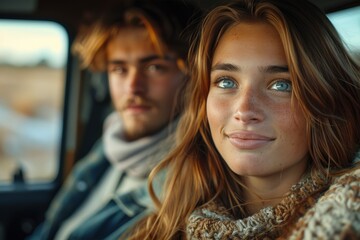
[310,210]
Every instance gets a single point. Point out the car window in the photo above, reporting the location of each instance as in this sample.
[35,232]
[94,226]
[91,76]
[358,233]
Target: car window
[347,22]
[33,56]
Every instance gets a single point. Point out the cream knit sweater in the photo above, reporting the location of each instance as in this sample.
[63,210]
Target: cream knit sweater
[310,210]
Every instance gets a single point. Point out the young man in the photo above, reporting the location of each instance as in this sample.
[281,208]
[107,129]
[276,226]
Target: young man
[142,48]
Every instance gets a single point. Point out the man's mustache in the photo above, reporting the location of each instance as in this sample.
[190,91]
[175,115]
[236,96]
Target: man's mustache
[137,101]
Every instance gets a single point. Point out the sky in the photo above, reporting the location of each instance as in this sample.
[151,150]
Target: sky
[347,22]
[28,43]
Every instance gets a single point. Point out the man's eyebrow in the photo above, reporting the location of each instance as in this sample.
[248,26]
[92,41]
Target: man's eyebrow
[155,57]
[116,62]
[142,60]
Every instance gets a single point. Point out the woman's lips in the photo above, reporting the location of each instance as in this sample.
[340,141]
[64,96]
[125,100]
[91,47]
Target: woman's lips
[248,140]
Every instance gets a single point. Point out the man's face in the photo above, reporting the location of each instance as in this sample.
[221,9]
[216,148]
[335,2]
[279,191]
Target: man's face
[143,84]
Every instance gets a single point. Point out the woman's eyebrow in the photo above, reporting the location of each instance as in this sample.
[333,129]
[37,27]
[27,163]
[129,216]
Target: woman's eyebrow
[225,67]
[267,69]
[274,69]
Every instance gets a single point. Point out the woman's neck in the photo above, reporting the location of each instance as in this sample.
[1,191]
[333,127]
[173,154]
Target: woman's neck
[269,190]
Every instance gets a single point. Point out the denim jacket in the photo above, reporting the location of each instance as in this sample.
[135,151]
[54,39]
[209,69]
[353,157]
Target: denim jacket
[110,221]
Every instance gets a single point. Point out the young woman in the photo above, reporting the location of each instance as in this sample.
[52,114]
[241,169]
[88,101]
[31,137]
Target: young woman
[268,145]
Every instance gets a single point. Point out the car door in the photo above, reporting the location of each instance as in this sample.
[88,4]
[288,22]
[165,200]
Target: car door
[47,105]
[34,114]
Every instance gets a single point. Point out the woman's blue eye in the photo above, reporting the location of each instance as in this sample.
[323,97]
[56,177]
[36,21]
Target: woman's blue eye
[282,85]
[226,83]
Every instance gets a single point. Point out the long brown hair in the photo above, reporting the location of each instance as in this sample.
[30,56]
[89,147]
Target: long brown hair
[326,83]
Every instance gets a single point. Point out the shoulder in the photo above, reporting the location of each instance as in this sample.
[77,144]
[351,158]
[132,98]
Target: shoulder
[336,214]
[92,164]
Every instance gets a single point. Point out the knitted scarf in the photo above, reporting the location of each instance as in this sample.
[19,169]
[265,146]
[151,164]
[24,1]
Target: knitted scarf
[311,212]
[136,158]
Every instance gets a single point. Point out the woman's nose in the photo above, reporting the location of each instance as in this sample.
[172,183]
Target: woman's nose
[248,106]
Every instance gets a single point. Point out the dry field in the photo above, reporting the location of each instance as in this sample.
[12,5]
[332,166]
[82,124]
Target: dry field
[30,110]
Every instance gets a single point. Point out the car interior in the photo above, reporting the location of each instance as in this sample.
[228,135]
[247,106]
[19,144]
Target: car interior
[52,110]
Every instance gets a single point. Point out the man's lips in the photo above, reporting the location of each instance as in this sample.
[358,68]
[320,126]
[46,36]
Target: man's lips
[137,108]
[248,140]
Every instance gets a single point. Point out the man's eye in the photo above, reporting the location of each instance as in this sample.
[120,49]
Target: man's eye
[118,69]
[153,68]
[226,83]
[282,85]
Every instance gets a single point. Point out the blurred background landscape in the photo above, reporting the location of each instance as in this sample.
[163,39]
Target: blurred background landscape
[32,78]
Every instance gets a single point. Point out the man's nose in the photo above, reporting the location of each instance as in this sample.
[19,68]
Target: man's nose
[136,81]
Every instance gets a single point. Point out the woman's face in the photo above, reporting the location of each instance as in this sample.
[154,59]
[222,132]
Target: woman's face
[255,128]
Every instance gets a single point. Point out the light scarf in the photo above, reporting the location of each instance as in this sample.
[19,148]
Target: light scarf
[138,157]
